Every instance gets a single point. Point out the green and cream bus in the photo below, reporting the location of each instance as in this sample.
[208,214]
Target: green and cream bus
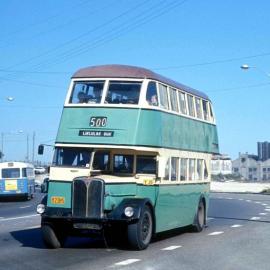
[133,149]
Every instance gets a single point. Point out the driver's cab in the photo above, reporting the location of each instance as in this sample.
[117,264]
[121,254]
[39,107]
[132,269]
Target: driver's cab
[110,164]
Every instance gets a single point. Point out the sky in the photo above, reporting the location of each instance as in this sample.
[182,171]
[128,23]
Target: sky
[201,44]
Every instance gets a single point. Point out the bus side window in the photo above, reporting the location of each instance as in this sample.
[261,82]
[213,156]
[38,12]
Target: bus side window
[183,169]
[163,95]
[182,101]
[24,174]
[167,170]
[205,110]
[199,169]
[211,112]
[146,164]
[191,171]
[191,105]
[205,171]
[151,94]
[174,168]
[174,100]
[198,107]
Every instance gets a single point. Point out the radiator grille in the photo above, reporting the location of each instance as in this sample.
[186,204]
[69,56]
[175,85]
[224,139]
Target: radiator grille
[88,197]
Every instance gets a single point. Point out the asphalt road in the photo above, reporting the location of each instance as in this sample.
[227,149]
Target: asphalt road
[237,237]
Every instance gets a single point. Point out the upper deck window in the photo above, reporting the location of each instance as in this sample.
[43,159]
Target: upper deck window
[190,105]
[87,92]
[163,96]
[182,101]
[205,110]
[174,100]
[151,94]
[198,107]
[123,92]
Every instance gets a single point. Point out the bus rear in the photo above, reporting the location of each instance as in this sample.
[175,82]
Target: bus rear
[17,179]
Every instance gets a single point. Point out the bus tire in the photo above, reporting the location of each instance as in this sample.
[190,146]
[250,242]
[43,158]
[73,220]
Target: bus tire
[199,220]
[140,233]
[51,238]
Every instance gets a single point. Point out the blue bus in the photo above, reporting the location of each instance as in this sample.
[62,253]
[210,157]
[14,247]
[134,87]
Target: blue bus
[17,179]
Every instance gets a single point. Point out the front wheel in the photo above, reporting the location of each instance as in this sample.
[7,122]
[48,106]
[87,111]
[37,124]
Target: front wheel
[51,238]
[140,233]
[199,220]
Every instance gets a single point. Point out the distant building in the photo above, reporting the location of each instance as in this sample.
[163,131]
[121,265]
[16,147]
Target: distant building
[221,164]
[250,167]
[263,150]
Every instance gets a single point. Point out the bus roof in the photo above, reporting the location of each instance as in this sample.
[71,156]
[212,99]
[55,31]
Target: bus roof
[124,71]
[11,164]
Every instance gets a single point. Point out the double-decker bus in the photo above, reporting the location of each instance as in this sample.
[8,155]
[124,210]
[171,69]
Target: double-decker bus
[133,149]
[17,179]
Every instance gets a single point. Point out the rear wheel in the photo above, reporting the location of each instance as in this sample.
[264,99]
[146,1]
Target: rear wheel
[140,233]
[199,221]
[51,237]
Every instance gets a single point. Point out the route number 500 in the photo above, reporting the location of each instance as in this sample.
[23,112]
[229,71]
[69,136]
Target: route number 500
[98,121]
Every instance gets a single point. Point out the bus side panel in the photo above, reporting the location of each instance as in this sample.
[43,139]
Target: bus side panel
[174,131]
[177,204]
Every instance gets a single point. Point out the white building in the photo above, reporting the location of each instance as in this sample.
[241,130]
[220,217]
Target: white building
[221,164]
[251,168]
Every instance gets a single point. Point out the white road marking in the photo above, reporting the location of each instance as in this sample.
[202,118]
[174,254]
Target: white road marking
[255,218]
[248,200]
[263,214]
[215,233]
[264,204]
[14,218]
[171,248]
[210,218]
[236,226]
[127,262]
[267,209]
[27,206]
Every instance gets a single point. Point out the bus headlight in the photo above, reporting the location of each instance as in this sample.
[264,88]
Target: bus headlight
[129,211]
[40,208]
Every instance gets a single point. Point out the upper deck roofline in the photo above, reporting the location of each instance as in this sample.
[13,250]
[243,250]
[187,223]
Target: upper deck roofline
[124,71]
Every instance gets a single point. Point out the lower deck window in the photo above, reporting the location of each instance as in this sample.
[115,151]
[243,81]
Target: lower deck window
[74,157]
[174,168]
[183,169]
[101,161]
[123,163]
[191,171]
[147,165]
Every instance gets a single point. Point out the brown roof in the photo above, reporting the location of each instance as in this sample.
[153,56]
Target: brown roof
[124,71]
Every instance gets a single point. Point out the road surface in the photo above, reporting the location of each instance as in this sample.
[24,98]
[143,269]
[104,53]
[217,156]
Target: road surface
[237,237]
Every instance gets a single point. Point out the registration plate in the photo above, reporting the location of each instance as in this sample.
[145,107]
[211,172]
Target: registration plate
[57,200]
[11,185]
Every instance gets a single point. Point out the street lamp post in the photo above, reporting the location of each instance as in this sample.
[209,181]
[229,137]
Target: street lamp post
[247,67]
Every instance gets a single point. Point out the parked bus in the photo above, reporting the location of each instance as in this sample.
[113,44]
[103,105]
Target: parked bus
[133,149]
[17,179]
